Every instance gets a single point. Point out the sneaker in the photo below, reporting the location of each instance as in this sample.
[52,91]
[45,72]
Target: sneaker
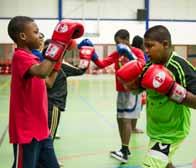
[123,157]
[57,136]
[60,164]
[128,152]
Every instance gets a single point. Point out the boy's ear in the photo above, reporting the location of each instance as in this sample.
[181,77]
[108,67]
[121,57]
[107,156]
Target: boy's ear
[166,44]
[22,36]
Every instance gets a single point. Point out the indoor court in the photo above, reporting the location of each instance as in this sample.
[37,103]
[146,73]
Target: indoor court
[88,128]
[93,56]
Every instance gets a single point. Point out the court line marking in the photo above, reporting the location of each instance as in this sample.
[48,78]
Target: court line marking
[97,153]
[71,157]
[4,84]
[93,109]
[100,115]
[3,135]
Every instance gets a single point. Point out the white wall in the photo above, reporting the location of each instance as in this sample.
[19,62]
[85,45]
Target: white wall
[182,32]
[32,8]
[104,29]
[107,29]
[115,10]
[173,9]
[72,8]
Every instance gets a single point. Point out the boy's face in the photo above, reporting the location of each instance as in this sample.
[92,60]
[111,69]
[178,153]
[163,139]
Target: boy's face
[41,41]
[156,50]
[31,36]
[118,40]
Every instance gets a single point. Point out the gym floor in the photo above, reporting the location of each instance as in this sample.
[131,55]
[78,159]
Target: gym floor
[88,128]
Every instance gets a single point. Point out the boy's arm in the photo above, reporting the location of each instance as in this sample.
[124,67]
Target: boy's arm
[53,75]
[108,60]
[121,49]
[62,35]
[51,79]
[190,100]
[189,84]
[71,70]
[43,69]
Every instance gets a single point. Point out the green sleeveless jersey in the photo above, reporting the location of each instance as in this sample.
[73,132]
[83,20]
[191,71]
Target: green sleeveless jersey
[167,120]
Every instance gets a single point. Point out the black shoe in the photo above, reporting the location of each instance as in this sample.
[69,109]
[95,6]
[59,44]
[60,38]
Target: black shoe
[119,155]
[57,137]
[128,152]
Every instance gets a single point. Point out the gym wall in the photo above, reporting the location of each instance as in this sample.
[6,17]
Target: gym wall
[102,18]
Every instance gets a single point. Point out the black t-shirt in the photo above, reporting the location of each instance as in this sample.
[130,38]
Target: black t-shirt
[183,71]
[58,93]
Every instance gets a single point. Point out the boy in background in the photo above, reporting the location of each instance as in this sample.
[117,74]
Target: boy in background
[57,87]
[138,42]
[57,90]
[128,104]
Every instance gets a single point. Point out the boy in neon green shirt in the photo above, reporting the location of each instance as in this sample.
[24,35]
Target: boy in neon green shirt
[170,83]
[168,117]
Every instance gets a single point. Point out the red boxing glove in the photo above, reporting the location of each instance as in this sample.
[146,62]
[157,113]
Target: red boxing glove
[64,31]
[129,74]
[57,65]
[130,71]
[72,45]
[86,54]
[158,78]
[54,51]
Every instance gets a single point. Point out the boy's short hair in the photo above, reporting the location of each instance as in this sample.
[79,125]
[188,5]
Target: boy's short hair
[158,33]
[47,42]
[122,34]
[17,25]
[137,42]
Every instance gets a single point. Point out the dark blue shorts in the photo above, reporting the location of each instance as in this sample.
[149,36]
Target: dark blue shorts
[37,154]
